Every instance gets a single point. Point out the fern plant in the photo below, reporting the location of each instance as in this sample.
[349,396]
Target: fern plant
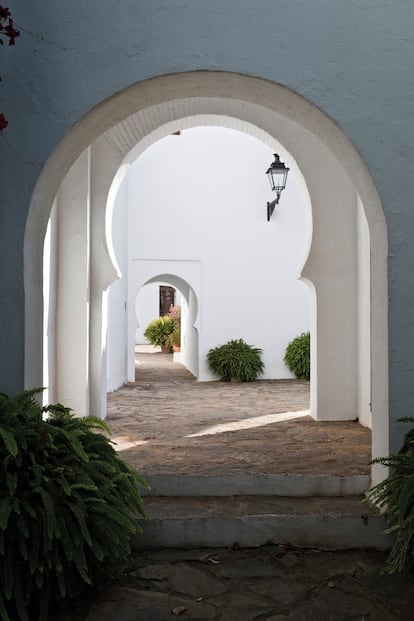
[236,359]
[395,496]
[69,506]
[297,356]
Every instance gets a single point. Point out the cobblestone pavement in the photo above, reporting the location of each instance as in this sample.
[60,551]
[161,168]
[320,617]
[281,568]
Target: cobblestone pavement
[271,583]
[166,422]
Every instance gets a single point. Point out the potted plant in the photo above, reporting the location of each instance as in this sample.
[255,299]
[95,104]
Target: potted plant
[158,332]
[174,340]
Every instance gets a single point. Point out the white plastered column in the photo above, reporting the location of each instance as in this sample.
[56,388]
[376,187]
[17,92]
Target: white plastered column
[105,161]
[69,367]
[331,267]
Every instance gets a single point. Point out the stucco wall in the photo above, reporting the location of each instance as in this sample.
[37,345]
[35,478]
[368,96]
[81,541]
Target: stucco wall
[352,60]
[202,196]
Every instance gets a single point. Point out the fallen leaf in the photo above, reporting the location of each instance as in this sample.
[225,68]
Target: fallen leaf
[331,584]
[178,610]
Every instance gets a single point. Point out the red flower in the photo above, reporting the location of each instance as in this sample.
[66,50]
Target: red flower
[3,122]
[4,12]
[11,32]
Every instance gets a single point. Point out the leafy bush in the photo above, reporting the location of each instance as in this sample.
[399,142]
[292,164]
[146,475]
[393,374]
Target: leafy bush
[297,356]
[395,496]
[158,331]
[69,506]
[236,359]
[174,340]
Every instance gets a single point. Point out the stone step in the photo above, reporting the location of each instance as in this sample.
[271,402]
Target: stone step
[250,521]
[298,485]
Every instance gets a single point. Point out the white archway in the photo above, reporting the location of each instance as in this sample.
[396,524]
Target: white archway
[347,318]
[189,287]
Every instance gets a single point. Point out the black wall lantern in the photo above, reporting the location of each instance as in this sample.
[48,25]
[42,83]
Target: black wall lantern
[277,174]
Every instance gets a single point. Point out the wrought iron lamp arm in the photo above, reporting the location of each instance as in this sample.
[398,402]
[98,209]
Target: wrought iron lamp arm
[271,206]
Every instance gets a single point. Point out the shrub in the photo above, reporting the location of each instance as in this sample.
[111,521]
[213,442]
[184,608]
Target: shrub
[297,356]
[69,506]
[236,359]
[174,340]
[395,496]
[158,331]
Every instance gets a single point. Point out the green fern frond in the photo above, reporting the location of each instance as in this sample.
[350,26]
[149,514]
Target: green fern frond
[9,441]
[395,496]
[3,612]
[5,511]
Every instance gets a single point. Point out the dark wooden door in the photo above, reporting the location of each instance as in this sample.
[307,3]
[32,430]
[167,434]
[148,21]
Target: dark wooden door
[167,299]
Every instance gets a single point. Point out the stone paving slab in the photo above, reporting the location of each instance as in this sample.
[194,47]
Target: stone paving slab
[168,423]
[272,583]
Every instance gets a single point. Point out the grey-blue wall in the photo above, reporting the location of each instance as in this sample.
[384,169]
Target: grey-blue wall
[354,60]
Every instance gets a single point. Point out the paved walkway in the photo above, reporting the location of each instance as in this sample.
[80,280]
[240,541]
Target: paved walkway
[166,422]
[157,422]
[271,583]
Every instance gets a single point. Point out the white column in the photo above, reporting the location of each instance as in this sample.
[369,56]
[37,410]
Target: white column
[332,269]
[71,294]
[364,320]
[50,255]
[105,162]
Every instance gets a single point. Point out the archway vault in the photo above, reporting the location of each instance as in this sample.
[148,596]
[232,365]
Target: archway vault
[322,151]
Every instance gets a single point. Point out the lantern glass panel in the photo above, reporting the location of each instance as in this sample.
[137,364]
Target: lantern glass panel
[271,183]
[279,179]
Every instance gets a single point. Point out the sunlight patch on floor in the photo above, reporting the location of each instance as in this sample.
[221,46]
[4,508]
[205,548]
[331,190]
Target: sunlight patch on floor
[250,423]
[121,443]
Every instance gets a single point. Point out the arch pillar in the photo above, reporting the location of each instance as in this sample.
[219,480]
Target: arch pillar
[332,268]
[69,282]
[104,163]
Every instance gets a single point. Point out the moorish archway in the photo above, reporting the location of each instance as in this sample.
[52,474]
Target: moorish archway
[346,265]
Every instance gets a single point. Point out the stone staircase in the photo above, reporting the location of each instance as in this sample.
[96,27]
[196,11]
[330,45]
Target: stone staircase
[316,511]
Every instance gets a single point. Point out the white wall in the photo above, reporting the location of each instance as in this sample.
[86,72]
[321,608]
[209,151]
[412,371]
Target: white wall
[202,196]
